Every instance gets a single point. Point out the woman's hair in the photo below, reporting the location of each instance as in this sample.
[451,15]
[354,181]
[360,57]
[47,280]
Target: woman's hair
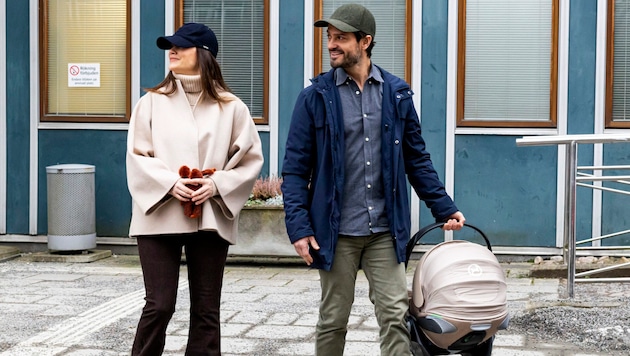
[211,79]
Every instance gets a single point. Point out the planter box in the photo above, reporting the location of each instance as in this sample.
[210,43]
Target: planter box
[261,232]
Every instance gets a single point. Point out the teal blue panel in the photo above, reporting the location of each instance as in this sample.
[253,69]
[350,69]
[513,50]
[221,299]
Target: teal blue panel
[151,27]
[264,138]
[18,113]
[615,206]
[433,100]
[291,57]
[507,191]
[581,98]
[106,151]
[582,48]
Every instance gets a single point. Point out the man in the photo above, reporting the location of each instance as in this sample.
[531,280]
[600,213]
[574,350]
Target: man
[354,137]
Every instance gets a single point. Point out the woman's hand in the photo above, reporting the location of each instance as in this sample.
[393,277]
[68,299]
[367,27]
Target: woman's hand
[203,189]
[180,191]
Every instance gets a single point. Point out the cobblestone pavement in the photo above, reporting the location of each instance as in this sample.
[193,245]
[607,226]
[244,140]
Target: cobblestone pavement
[86,309]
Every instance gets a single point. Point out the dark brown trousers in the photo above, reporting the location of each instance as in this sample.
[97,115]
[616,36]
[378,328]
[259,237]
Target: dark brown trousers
[160,257]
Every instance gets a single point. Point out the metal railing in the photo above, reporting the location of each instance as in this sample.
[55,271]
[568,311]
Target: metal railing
[574,178]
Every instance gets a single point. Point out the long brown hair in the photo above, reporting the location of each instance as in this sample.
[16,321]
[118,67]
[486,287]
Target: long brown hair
[212,81]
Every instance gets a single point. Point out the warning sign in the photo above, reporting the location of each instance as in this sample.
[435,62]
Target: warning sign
[84,75]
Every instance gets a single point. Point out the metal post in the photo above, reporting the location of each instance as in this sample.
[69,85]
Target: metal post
[569,214]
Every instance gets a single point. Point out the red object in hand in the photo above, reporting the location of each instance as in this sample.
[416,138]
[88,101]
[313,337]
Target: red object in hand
[192,210]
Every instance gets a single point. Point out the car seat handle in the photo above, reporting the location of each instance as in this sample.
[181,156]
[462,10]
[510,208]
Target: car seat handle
[423,231]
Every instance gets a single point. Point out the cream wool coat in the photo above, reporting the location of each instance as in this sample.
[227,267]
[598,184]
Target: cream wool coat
[164,134]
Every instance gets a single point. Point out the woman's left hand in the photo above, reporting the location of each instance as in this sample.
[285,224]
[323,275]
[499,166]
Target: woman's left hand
[206,190]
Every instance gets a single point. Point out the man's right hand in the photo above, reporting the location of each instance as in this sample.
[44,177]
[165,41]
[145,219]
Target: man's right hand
[302,248]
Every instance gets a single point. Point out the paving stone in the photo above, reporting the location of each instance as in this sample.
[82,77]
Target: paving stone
[354,348]
[282,319]
[233,330]
[497,351]
[91,353]
[298,348]
[39,351]
[56,277]
[362,335]
[175,343]
[503,339]
[238,346]
[249,317]
[280,332]
[307,320]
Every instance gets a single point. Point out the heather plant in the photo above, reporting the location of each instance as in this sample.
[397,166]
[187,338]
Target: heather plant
[266,192]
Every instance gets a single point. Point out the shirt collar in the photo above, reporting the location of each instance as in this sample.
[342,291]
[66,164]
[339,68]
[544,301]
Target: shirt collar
[341,77]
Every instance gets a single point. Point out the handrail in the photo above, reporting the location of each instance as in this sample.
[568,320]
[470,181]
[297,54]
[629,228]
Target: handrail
[571,169]
[567,139]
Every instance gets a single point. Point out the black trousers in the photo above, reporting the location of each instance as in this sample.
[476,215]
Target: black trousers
[160,257]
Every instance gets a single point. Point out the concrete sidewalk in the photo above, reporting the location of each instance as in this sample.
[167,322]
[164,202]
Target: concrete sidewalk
[81,309]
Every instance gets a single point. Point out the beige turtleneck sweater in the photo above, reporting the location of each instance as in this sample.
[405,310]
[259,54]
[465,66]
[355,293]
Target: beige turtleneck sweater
[192,87]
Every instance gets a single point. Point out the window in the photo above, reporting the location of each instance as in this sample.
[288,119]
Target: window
[85,60]
[507,63]
[392,50]
[241,27]
[618,65]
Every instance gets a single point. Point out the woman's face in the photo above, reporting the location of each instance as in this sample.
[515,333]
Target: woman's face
[183,60]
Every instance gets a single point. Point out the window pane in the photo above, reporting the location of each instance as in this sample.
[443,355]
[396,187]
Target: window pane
[508,60]
[83,34]
[621,71]
[389,50]
[239,26]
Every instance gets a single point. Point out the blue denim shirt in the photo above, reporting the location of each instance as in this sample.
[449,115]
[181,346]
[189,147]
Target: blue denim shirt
[363,207]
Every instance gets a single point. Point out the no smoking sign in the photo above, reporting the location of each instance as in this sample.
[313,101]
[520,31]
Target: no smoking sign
[84,75]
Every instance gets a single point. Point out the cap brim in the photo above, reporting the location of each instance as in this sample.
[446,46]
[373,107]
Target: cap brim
[340,25]
[166,42]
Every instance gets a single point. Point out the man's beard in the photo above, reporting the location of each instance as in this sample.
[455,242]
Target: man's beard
[348,60]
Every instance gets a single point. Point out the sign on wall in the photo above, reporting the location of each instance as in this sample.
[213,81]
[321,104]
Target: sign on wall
[84,75]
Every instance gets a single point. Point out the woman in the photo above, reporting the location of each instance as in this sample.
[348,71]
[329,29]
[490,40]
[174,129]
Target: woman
[189,119]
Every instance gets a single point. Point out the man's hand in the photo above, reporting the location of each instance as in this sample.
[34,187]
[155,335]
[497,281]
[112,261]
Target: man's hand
[302,248]
[454,222]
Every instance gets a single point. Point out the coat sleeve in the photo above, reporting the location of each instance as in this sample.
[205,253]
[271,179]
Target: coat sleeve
[419,167]
[296,171]
[235,181]
[148,178]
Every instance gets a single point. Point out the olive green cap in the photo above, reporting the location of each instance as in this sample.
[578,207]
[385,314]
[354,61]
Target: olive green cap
[350,18]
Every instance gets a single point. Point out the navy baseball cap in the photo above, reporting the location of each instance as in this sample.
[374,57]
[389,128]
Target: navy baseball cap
[191,35]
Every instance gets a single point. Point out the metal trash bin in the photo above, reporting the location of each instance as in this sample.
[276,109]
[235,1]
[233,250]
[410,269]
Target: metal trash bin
[71,207]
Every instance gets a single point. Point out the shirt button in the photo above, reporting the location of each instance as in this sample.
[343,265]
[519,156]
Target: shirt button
[368,163]
[370,208]
[367,139]
[357,92]
[396,142]
[364,115]
[369,186]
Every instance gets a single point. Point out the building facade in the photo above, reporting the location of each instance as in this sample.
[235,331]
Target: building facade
[484,73]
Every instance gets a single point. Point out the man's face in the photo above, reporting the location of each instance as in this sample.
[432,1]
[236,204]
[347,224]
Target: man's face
[344,49]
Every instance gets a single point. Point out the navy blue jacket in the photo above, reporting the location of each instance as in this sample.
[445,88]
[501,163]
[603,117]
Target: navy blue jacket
[313,167]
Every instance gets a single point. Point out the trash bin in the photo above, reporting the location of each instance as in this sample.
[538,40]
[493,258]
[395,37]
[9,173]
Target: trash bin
[71,207]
